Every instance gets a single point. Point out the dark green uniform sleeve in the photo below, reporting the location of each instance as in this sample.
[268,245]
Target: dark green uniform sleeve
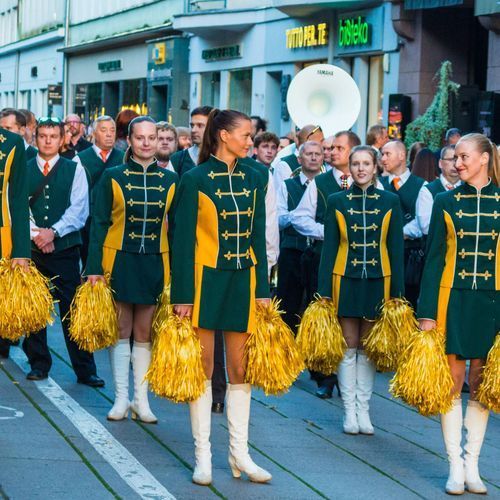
[184,241]
[329,250]
[434,263]
[19,204]
[258,244]
[101,220]
[395,248]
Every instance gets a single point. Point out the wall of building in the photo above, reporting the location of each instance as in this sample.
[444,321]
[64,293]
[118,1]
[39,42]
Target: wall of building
[493,76]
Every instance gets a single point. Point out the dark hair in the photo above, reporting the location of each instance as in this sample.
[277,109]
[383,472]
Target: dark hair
[414,149]
[261,123]
[451,132]
[202,110]
[425,165]
[30,117]
[364,149]
[444,149]
[352,138]
[123,118]
[131,126]
[266,137]
[20,118]
[218,120]
[374,132]
[49,123]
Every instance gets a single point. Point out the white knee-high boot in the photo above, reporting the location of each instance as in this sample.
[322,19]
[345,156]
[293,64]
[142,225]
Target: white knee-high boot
[365,378]
[119,357]
[451,425]
[346,373]
[476,421]
[200,412]
[141,357]
[238,415]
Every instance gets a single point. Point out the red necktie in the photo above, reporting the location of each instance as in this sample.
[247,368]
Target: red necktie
[46,168]
[104,155]
[396,183]
[343,181]
[449,187]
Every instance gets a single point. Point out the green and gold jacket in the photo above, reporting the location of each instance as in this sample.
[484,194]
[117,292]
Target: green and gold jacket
[463,246]
[363,239]
[220,222]
[14,215]
[131,212]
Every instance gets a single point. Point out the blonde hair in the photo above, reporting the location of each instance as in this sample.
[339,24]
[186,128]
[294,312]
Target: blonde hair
[484,145]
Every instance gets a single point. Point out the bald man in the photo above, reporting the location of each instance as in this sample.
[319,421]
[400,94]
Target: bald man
[288,164]
[77,143]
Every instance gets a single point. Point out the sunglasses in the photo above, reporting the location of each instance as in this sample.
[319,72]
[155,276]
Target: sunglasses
[49,119]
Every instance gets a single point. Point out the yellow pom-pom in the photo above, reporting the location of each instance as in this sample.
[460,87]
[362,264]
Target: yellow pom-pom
[27,304]
[320,337]
[162,310]
[390,334]
[489,390]
[176,371]
[93,317]
[423,378]
[274,360]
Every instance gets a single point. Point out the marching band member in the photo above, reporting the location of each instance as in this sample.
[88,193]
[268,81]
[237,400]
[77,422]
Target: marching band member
[361,266]
[308,220]
[407,186]
[447,181]
[460,295]
[129,240]
[15,121]
[219,258]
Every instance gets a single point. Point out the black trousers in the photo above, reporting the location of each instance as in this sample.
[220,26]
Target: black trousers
[413,272]
[64,269]
[219,381]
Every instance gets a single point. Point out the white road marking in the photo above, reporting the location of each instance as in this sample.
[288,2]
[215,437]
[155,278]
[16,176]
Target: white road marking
[125,464]
[13,413]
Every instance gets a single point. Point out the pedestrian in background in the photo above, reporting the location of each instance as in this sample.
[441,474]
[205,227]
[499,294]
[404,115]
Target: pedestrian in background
[167,143]
[425,165]
[122,120]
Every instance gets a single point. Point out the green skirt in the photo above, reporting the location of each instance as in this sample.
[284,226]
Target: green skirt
[224,299]
[472,322]
[137,278]
[359,298]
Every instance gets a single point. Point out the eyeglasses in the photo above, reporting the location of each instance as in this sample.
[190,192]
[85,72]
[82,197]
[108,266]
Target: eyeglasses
[453,159]
[313,131]
[49,119]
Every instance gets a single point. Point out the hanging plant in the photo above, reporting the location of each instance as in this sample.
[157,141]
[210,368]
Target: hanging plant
[430,127]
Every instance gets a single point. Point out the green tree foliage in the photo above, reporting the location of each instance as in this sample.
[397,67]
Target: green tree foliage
[430,127]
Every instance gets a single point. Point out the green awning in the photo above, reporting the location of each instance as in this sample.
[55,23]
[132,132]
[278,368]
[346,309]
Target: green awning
[430,4]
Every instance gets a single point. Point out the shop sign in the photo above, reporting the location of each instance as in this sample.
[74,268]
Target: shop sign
[107,66]
[55,95]
[158,53]
[313,35]
[218,53]
[80,96]
[354,32]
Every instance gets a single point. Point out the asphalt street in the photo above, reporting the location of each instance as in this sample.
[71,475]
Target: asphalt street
[55,443]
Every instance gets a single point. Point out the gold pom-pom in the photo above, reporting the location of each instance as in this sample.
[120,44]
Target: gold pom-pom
[273,359]
[176,371]
[390,334]
[162,310]
[489,390]
[423,378]
[93,317]
[27,304]
[320,337]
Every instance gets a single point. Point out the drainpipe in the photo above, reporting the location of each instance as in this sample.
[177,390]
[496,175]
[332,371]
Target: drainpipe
[65,57]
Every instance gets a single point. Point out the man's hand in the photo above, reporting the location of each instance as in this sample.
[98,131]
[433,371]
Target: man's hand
[43,237]
[94,278]
[23,263]
[183,310]
[426,324]
[48,248]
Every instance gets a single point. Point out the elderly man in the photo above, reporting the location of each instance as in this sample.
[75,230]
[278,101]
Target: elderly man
[377,137]
[77,143]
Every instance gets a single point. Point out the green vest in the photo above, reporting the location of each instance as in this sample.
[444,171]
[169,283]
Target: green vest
[53,201]
[14,209]
[363,238]
[182,162]
[290,237]
[435,187]
[31,153]
[292,161]
[408,194]
[94,166]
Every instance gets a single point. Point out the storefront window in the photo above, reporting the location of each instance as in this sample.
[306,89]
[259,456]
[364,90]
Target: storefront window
[210,89]
[240,90]
[134,96]
[376,91]
[94,94]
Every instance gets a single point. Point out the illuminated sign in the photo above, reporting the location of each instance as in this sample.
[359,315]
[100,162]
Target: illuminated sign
[218,53]
[314,35]
[110,66]
[354,32]
[159,52]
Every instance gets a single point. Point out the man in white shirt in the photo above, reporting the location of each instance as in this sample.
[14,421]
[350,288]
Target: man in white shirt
[447,181]
[59,205]
[265,147]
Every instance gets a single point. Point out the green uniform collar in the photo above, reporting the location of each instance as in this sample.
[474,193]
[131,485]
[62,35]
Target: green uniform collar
[137,167]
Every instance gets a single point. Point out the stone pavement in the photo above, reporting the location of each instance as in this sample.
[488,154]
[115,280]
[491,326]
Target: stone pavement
[297,437]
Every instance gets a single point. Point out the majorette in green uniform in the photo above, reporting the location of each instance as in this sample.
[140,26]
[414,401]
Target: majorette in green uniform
[129,232]
[219,272]
[219,253]
[460,295]
[361,266]
[14,214]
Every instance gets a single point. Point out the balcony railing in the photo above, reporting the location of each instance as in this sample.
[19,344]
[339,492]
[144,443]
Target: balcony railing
[201,5]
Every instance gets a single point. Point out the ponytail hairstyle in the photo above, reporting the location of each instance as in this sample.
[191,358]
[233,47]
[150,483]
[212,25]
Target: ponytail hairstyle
[218,120]
[484,145]
[131,126]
